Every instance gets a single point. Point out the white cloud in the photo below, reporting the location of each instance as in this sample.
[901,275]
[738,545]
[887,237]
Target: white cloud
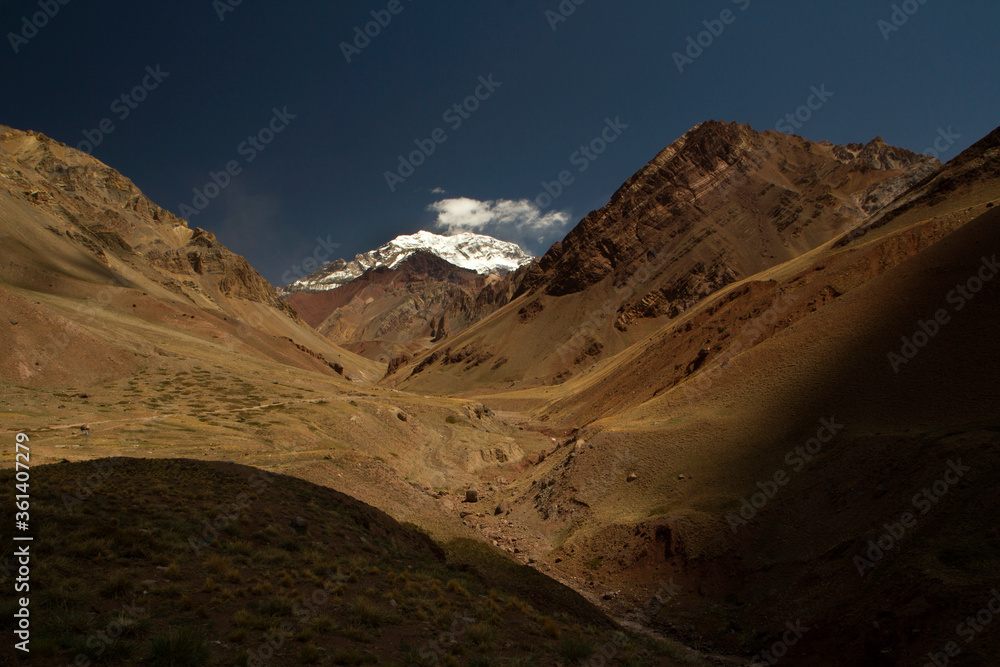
[505,219]
[439,191]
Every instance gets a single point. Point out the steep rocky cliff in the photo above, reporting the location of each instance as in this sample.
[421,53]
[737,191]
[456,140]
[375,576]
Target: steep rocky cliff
[107,214]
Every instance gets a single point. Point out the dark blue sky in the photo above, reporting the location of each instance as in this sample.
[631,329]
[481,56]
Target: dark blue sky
[324,174]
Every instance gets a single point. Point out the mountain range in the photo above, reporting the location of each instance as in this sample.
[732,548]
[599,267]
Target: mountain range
[749,400]
[475,252]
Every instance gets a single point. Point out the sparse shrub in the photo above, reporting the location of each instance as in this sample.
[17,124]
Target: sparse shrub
[482,635]
[368,614]
[309,655]
[236,547]
[271,556]
[551,629]
[116,651]
[519,604]
[322,623]
[173,572]
[674,650]
[521,661]
[66,595]
[413,658]
[217,564]
[265,534]
[278,606]
[90,549]
[247,619]
[348,657]
[170,591]
[120,585]
[184,645]
[313,557]
[357,633]
[488,611]
[291,544]
[334,588]
[575,649]
[73,623]
[454,586]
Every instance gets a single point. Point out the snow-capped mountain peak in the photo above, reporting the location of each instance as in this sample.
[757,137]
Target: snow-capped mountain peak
[476,252]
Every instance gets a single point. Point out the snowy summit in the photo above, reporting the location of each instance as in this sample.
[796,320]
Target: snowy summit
[476,252]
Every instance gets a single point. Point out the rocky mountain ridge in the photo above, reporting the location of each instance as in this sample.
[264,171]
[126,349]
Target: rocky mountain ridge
[475,252]
[721,203]
[84,234]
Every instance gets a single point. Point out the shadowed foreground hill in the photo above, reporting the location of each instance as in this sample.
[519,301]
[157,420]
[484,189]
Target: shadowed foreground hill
[177,562]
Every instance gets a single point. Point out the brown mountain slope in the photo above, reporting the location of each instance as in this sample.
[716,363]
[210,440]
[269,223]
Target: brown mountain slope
[720,204]
[88,263]
[400,311]
[393,314]
[421,267]
[793,556]
[702,433]
[690,350]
